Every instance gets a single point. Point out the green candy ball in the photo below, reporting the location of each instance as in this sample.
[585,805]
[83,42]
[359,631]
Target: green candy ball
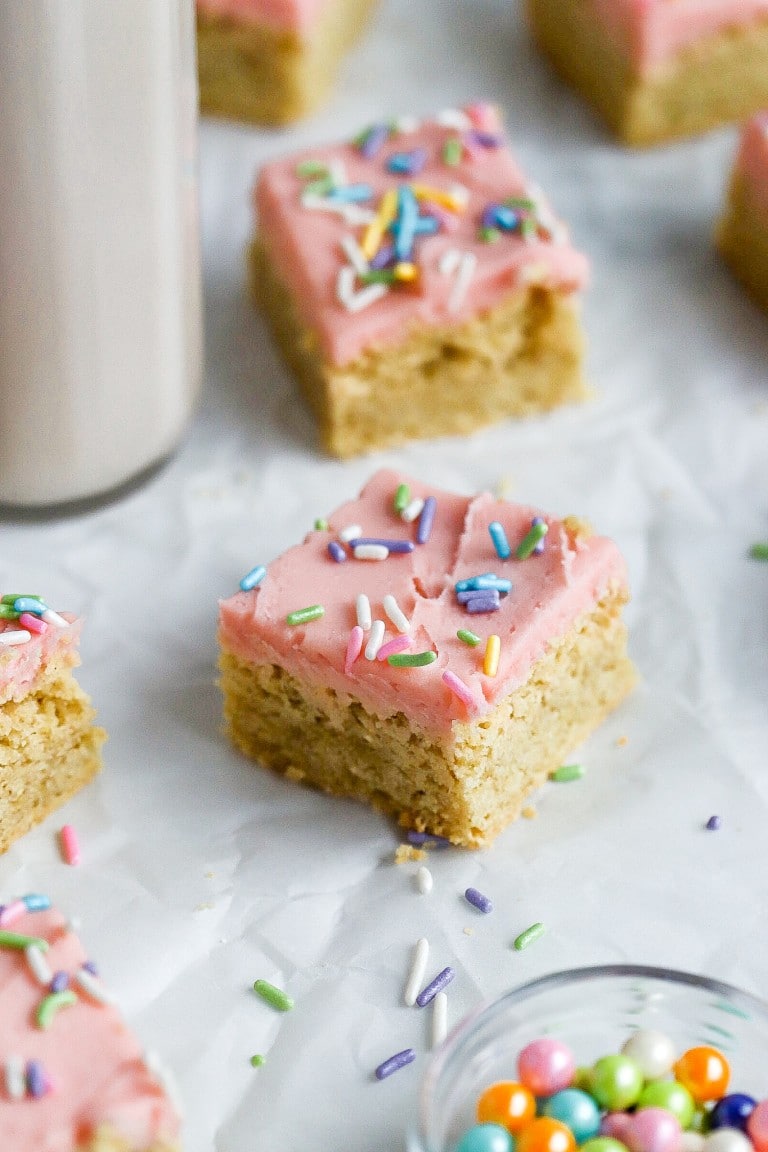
[602,1144]
[617,1082]
[669,1094]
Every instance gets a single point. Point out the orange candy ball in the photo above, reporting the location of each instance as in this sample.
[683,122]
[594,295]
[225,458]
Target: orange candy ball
[546,1135]
[507,1103]
[705,1072]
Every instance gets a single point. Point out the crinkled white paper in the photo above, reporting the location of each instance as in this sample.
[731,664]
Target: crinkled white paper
[202,873]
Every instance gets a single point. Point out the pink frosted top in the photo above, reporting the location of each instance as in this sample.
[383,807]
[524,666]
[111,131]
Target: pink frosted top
[549,592]
[288,15]
[463,175]
[92,1063]
[652,31]
[752,157]
[21,664]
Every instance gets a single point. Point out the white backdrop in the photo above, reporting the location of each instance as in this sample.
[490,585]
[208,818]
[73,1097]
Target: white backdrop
[201,873]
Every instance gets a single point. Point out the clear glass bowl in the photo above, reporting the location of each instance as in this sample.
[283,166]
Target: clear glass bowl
[593,1010]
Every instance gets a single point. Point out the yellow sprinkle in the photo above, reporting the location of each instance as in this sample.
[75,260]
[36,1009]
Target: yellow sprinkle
[467,931]
[446,199]
[492,653]
[378,226]
[529,812]
[622,741]
[405,271]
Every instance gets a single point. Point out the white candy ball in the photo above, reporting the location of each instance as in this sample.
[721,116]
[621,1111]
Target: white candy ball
[691,1142]
[727,1140]
[653,1051]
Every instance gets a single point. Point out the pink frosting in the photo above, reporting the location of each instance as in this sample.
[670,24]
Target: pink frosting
[651,32]
[94,1062]
[289,15]
[549,592]
[752,158]
[21,664]
[305,244]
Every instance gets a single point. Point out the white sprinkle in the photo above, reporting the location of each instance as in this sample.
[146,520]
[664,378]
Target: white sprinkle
[449,261]
[38,965]
[370,552]
[74,924]
[14,637]
[351,532]
[15,1083]
[337,171]
[345,284]
[416,975]
[352,213]
[375,640]
[463,280]
[453,118]
[93,987]
[439,1019]
[396,614]
[412,510]
[52,617]
[366,296]
[363,610]
[424,880]
[354,254]
[460,193]
[407,124]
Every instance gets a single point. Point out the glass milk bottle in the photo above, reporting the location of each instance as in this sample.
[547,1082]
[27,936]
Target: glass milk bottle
[100,332]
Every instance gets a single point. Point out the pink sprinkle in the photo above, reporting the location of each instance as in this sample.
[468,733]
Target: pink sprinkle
[12,912]
[484,117]
[392,647]
[354,647]
[70,845]
[449,221]
[32,623]
[460,689]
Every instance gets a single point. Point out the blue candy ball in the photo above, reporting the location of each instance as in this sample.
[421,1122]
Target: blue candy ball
[732,1111]
[577,1110]
[486,1138]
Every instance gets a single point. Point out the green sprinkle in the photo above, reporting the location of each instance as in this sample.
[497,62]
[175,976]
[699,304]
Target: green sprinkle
[257,1061]
[468,637]
[49,1006]
[452,151]
[14,940]
[527,228]
[402,497]
[759,551]
[12,597]
[304,615]
[489,235]
[567,772]
[321,525]
[274,996]
[7,612]
[528,937]
[520,202]
[530,540]
[379,276]
[320,187]
[412,659]
[309,168]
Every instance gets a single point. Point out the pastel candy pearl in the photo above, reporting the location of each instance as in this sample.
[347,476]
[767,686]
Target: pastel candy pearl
[545,1135]
[704,1071]
[616,1082]
[732,1111]
[546,1066]
[654,1052]
[603,1144]
[616,1125]
[486,1138]
[577,1110]
[654,1130]
[670,1095]
[757,1127]
[691,1142]
[726,1140]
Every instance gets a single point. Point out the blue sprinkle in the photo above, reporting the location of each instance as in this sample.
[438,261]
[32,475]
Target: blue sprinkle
[254,577]
[34,902]
[30,604]
[500,542]
[470,582]
[351,193]
[407,163]
[405,223]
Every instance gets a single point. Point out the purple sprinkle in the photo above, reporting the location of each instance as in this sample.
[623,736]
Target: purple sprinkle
[479,900]
[336,552]
[487,602]
[384,257]
[395,1063]
[60,982]
[478,594]
[541,544]
[420,838]
[373,141]
[37,1083]
[426,520]
[485,139]
[89,966]
[488,219]
[392,545]
[713,823]
[440,981]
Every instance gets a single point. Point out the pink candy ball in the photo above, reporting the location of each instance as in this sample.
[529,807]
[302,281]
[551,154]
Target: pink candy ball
[757,1126]
[654,1130]
[546,1066]
[616,1125]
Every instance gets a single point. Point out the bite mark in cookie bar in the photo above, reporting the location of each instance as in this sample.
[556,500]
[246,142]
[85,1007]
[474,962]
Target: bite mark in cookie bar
[428,733]
[417,284]
[272,61]
[72,1075]
[659,69]
[742,233]
[49,747]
